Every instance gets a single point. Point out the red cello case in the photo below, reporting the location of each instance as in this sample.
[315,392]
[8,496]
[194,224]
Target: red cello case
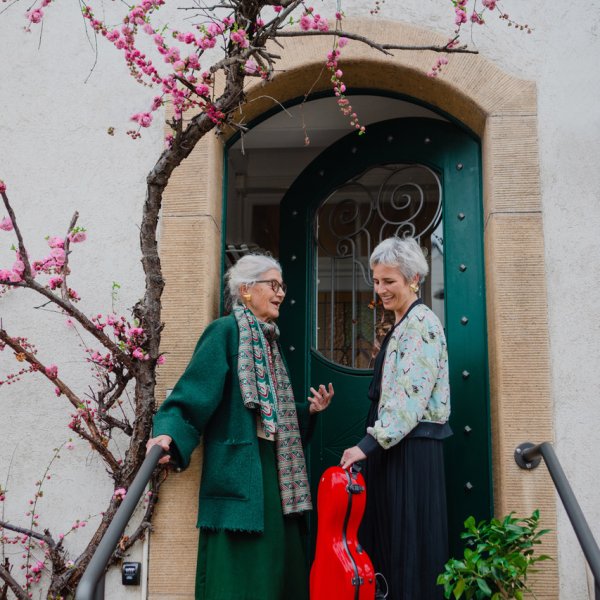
[341,569]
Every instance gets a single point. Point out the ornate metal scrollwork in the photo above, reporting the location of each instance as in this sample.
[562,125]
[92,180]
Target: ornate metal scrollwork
[385,200]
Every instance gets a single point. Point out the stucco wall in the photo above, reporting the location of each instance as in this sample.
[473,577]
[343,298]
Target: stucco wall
[56,157]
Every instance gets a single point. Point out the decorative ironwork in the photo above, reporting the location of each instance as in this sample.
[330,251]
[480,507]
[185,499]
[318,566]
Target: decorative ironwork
[385,200]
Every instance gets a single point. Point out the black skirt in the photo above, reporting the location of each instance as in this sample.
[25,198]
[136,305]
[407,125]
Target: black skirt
[405,529]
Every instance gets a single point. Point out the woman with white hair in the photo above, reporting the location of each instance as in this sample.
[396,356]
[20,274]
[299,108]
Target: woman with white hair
[236,395]
[404,529]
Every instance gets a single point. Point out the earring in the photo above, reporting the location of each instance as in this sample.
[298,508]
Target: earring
[414,287]
[247,297]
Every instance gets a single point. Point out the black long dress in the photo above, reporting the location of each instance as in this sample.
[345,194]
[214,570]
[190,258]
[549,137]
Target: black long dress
[404,529]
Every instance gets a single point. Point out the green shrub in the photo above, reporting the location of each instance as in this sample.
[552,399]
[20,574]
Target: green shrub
[497,560]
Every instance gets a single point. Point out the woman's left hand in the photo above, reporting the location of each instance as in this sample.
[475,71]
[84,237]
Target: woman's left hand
[320,399]
[350,456]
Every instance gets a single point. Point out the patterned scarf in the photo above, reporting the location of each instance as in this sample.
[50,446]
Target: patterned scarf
[265,387]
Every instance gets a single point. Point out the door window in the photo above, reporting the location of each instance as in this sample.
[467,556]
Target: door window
[383,201]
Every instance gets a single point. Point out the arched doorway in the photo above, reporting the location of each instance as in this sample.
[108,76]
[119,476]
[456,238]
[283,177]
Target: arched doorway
[432,168]
[502,111]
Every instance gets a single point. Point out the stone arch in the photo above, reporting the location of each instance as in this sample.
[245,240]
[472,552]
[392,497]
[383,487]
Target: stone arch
[501,110]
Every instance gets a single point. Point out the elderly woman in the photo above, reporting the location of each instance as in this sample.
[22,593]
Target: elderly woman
[404,529]
[236,394]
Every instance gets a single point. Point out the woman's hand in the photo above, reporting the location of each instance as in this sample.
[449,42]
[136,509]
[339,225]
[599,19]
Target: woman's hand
[164,441]
[350,456]
[320,399]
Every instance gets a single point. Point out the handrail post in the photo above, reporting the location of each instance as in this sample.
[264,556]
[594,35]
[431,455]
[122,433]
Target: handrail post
[527,456]
[91,585]
[99,593]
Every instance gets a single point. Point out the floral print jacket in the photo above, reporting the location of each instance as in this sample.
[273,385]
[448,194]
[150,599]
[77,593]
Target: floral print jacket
[414,384]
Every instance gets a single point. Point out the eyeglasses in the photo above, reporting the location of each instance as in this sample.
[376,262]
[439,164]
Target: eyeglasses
[275,285]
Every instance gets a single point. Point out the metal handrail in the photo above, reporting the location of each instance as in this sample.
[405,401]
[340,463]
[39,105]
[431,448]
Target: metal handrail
[91,585]
[528,456]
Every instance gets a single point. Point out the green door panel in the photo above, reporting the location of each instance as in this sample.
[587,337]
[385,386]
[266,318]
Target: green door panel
[455,156]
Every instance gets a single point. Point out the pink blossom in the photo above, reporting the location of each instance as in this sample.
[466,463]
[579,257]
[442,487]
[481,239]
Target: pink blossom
[56,242]
[19,266]
[120,493]
[6,224]
[138,353]
[461,16]
[5,275]
[57,392]
[489,4]
[278,9]
[144,119]
[239,37]
[59,256]
[322,25]
[77,236]
[214,29]
[39,565]
[35,15]
[342,42]
[250,66]
[476,18]
[305,22]
[69,445]
[202,90]
[339,73]
[179,66]
[2,187]
[55,282]
[52,371]
[160,360]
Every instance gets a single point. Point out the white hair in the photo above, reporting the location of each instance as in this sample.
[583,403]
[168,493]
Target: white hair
[404,254]
[246,271]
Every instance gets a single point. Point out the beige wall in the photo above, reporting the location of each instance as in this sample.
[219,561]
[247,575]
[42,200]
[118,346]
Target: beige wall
[502,111]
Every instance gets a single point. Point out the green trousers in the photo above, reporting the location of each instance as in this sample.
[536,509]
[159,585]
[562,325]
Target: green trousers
[255,566]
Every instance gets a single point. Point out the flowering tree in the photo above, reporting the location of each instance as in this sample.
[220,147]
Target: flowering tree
[200,72]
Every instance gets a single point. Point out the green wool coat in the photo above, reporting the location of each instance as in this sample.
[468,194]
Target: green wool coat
[206,403]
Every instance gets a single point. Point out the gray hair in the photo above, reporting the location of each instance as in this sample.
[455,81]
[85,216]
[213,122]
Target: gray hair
[247,270]
[404,254]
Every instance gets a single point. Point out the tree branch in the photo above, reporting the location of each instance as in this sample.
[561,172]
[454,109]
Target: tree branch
[65,268]
[65,304]
[17,590]
[377,46]
[46,537]
[13,218]
[94,437]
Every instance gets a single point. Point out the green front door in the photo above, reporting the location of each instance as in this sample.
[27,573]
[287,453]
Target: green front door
[417,176]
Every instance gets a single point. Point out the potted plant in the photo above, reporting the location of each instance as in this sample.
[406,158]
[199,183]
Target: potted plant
[497,560]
